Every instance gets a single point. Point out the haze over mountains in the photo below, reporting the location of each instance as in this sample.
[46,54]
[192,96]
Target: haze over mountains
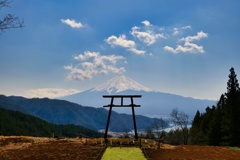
[153,103]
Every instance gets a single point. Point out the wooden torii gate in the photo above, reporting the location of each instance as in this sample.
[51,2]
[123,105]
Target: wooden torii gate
[122,105]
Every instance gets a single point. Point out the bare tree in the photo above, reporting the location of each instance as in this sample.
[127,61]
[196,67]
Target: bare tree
[158,126]
[149,132]
[9,21]
[180,119]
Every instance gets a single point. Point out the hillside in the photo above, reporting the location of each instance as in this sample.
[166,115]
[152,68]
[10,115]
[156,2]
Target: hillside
[17,123]
[64,112]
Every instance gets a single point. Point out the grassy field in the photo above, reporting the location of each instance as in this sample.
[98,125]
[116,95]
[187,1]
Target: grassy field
[116,153]
[235,148]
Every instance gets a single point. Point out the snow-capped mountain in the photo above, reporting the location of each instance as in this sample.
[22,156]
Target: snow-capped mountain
[153,103]
[119,84]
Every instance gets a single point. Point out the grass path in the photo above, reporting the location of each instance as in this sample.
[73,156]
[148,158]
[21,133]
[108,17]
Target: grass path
[128,153]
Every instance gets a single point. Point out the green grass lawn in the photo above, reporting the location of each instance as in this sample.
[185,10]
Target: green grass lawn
[235,148]
[128,153]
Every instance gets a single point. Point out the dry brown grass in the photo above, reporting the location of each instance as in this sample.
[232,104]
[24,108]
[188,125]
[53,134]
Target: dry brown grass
[22,147]
[189,152]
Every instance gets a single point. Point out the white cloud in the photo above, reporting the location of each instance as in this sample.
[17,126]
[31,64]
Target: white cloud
[123,42]
[139,52]
[72,23]
[170,49]
[93,63]
[188,46]
[146,23]
[49,92]
[87,55]
[187,27]
[120,41]
[199,36]
[177,31]
[147,36]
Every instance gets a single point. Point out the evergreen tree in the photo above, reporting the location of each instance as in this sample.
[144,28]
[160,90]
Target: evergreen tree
[197,119]
[232,84]
[233,108]
[196,134]
[214,136]
[201,126]
[207,119]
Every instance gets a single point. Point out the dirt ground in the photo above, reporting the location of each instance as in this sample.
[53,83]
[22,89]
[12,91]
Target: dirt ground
[189,152]
[32,148]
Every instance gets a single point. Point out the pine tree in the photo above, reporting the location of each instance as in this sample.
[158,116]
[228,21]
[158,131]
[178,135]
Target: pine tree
[232,84]
[197,119]
[196,134]
[201,126]
[207,118]
[214,135]
[232,109]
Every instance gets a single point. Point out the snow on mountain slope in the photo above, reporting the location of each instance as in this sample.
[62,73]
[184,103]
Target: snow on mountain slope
[119,84]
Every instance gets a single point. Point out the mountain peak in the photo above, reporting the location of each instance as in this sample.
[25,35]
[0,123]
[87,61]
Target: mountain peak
[120,83]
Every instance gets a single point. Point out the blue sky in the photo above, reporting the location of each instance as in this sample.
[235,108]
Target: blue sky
[183,47]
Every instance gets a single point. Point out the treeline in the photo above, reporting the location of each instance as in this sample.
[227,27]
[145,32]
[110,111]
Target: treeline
[17,123]
[220,124]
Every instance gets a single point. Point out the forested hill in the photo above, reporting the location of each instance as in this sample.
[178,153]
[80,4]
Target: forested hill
[64,112]
[17,123]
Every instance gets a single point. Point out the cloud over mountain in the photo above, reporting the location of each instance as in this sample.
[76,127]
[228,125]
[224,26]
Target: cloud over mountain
[93,63]
[49,92]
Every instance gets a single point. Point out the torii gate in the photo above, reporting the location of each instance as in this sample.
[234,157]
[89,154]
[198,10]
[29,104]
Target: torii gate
[122,105]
